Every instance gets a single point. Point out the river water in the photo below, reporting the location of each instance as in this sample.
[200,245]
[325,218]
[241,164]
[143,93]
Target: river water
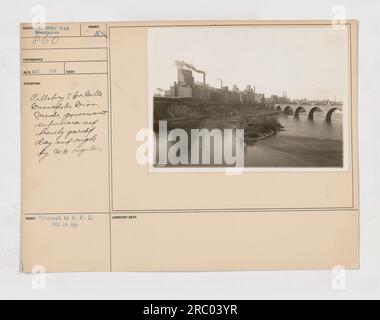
[303,143]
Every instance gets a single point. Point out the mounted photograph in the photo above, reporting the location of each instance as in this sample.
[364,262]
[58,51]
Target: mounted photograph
[249,97]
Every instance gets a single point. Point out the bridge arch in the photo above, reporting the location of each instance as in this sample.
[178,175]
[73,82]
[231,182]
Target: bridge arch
[314,110]
[278,108]
[288,110]
[330,113]
[298,111]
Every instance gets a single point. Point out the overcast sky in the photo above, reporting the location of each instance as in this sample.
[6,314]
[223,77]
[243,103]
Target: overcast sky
[306,62]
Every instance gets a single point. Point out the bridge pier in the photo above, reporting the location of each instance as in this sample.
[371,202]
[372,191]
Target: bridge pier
[309,109]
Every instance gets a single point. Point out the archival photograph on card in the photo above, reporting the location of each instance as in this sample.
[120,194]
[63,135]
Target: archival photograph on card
[258,98]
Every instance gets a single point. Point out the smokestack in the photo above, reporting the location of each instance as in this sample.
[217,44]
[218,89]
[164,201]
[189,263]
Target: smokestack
[183,64]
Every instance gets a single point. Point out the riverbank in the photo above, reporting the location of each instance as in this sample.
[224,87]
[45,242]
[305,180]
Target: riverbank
[262,137]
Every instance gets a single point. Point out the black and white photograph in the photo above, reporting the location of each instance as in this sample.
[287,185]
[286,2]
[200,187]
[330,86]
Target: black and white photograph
[285,90]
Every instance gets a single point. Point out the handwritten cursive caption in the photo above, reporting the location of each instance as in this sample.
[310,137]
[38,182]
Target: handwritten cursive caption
[67,124]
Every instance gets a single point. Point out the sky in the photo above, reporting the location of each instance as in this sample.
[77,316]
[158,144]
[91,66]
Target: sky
[308,62]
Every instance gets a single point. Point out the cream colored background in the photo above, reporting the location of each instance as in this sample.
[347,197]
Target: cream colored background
[269,221]
[247,285]
[172,241]
[195,191]
[237,241]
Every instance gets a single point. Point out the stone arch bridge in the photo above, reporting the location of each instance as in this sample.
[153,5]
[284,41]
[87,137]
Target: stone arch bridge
[309,109]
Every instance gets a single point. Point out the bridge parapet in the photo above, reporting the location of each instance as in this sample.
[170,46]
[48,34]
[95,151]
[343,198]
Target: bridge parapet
[327,109]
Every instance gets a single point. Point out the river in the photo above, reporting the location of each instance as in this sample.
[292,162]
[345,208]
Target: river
[303,143]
